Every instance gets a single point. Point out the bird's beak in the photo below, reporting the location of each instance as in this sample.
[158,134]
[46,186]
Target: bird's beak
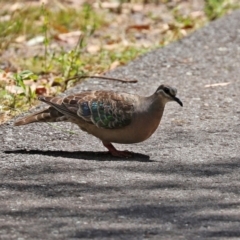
[178,101]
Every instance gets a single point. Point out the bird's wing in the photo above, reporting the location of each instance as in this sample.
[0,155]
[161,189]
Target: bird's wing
[105,109]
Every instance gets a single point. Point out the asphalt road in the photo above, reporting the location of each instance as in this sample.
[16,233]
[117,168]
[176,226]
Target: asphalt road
[183,183]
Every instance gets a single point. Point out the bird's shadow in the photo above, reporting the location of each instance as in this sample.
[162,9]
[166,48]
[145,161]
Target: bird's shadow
[84,155]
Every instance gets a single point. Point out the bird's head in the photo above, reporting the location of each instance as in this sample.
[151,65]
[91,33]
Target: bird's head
[168,93]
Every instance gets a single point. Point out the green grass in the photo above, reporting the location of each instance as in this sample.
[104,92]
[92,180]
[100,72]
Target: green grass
[217,8]
[49,23]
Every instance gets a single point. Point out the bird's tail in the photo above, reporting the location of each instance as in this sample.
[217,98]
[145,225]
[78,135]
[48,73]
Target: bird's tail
[48,115]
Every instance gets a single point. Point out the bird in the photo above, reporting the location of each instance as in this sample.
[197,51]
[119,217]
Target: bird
[112,117]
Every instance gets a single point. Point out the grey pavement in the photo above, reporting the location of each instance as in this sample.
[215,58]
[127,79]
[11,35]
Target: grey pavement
[182,183]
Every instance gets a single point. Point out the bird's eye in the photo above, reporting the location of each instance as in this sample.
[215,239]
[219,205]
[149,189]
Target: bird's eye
[166,90]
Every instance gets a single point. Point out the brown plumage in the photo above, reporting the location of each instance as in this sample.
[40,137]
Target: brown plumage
[109,116]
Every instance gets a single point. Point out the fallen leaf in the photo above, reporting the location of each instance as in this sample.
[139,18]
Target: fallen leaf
[70,37]
[6,76]
[197,14]
[20,39]
[14,89]
[5,18]
[137,7]
[28,82]
[16,6]
[164,28]
[108,5]
[60,28]
[41,90]
[217,84]
[139,27]
[111,46]
[114,65]
[183,32]
[93,49]
[35,40]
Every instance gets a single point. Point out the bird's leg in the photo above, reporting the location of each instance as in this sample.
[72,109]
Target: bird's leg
[115,152]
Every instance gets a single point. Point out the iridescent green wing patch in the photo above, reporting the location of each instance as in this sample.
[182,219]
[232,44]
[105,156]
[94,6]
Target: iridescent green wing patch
[111,114]
[104,109]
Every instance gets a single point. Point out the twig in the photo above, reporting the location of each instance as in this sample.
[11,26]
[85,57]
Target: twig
[102,77]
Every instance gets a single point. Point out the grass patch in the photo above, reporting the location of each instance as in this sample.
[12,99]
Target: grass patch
[217,8]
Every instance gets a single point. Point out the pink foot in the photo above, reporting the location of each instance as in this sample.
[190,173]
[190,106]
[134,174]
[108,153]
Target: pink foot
[115,152]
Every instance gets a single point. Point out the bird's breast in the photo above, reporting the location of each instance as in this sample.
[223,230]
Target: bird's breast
[140,129]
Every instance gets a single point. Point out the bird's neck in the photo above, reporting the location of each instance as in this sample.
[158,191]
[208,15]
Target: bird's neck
[149,114]
[153,105]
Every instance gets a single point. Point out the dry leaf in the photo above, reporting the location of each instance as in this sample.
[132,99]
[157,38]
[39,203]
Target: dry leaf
[60,28]
[14,89]
[5,18]
[70,37]
[137,7]
[6,77]
[183,32]
[75,3]
[16,6]
[111,46]
[20,39]
[197,14]
[139,27]
[108,5]
[41,90]
[93,49]
[114,65]
[217,84]
[29,82]
[35,40]
[164,27]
